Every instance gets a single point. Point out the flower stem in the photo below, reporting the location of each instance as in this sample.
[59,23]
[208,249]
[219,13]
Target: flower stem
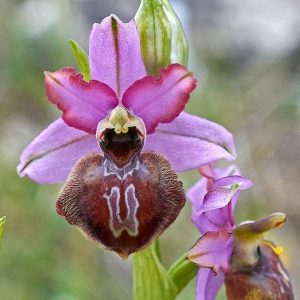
[182,272]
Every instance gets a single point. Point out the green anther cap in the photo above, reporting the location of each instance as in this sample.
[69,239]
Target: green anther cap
[162,38]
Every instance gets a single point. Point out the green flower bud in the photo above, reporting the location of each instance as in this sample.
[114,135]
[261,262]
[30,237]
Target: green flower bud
[162,38]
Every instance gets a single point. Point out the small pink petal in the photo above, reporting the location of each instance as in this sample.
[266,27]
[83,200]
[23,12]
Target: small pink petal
[224,191]
[160,100]
[215,219]
[208,284]
[197,192]
[189,142]
[83,103]
[227,182]
[115,55]
[213,250]
[217,199]
[50,157]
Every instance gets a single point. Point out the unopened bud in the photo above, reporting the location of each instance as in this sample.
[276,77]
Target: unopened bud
[162,38]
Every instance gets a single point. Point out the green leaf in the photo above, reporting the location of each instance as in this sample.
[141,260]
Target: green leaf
[2,223]
[81,59]
[182,272]
[151,280]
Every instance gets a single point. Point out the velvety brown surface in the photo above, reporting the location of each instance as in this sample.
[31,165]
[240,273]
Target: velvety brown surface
[157,189]
[269,280]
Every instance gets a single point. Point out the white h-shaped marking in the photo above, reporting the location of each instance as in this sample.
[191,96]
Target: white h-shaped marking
[121,173]
[130,223]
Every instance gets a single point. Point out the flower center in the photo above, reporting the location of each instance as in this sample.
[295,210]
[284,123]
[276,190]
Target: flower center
[119,119]
[121,136]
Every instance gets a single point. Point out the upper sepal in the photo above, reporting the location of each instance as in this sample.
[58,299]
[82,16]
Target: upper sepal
[115,55]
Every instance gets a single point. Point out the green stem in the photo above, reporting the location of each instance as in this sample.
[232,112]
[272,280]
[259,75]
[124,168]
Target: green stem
[157,249]
[150,278]
[182,272]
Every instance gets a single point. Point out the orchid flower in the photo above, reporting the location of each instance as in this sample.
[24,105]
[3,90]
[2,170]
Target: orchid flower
[120,197]
[230,252]
[216,223]
[115,60]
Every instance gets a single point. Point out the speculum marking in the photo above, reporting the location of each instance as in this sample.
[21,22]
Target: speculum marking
[130,223]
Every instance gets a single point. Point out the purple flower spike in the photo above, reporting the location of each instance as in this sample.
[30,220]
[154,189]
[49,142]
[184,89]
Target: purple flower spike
[209,211]
[213,216]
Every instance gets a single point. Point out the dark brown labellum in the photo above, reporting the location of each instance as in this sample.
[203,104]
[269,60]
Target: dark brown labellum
[268,280]
[124,199]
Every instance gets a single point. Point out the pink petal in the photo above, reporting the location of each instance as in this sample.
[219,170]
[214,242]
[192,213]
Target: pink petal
[115,55]
[208,284]
[197,192]
[190,142]
[224,192]
[83,103]
[160,100]
[217,199]
[228,181]
[213,250]
[50,157]
[214,219]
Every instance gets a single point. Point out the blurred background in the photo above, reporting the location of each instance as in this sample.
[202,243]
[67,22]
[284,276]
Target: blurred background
[246,57]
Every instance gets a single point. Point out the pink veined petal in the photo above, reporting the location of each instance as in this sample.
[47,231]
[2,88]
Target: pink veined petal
[215,219]
[217,199]
[208,284]
[224,192]
[160,100]
[115,54]
[83,103]
[197,192]
[213,250]
[50,157]
[189,142]
[208,171]
[227,182]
